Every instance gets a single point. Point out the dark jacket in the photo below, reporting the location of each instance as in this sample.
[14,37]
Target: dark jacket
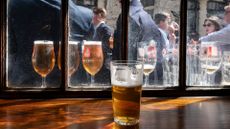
[143,28]
[103,33]
[117,39]
[30,20]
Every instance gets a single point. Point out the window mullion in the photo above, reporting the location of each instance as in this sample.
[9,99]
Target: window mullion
[3,44]
[124,36]
[64,31]
[182,48]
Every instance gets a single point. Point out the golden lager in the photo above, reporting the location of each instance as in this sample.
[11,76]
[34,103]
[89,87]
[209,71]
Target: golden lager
[148,68]
[92,56]
[126,103]
[126,79]
[73,57]
[43,57]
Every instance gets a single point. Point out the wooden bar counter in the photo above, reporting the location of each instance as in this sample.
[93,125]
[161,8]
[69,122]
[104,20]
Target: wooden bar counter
[156,113]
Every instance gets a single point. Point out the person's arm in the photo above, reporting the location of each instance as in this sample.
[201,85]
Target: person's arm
[222,35]
[105,32]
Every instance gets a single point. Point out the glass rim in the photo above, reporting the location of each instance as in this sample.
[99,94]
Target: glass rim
[126,62]
[73,42]
[43,42]
[87,42]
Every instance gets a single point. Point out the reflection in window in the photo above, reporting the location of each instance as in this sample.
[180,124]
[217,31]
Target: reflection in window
[206,34]
[30,21]
[153,38]
[93,29]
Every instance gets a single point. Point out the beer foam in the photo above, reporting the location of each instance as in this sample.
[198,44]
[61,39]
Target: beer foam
[73,42]
[127,77]
[92,42]
[149,66]
[43,42]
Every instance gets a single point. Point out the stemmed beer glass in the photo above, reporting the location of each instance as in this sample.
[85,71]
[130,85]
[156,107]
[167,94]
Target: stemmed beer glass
[147,53]
[73,57]
[92,58]
[210,59]
[43,59]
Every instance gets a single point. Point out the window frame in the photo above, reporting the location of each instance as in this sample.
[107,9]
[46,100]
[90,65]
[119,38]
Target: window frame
[64,91]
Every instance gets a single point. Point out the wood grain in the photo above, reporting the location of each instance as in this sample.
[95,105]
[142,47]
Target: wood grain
[156,113]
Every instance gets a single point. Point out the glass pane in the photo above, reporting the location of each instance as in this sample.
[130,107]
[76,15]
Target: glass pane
[207,43]
[33,38]
[153,38]
[92,29]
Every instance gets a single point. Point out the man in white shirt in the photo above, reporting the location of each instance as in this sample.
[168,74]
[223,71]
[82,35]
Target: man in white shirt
[167,31]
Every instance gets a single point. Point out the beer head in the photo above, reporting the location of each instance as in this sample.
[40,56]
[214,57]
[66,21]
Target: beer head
[92,42]
[127,74]
[73,42]
[43,42]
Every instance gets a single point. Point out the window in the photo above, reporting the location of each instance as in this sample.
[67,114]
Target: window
[201,24]
[70,46]
[155,41]
[34,59]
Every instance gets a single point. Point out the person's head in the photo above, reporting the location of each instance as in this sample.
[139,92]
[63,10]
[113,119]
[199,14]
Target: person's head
[227,14]
[211,24]
[135,2]
[162,20]
[99,15]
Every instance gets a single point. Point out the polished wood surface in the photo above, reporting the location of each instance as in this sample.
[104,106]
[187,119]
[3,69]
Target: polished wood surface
[156,113]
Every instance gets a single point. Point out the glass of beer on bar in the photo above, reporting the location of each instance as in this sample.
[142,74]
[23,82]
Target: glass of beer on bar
[126,80]
[43,58]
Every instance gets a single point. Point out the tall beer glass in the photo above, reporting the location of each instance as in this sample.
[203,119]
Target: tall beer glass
[43,58]
[73,57]
[126,80]
[92,58]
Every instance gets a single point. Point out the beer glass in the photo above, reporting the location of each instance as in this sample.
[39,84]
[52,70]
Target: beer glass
[210,60]
[73,57]
[226,68]
[43,58]
[92,58]
[126,80]
[147,53]
[170,65]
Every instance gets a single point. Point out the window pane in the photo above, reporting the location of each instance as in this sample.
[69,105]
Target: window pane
[153,38]
[207,47]
[33,37]
[91,27]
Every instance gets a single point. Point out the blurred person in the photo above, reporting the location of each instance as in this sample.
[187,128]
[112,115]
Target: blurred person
[30,20]
[103,32]
[143,28]
[116,55]
[211,24]
[223,34]
[168,32]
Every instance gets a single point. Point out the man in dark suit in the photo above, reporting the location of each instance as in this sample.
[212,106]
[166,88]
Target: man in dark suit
[30,20]
[141,28]
[102,33]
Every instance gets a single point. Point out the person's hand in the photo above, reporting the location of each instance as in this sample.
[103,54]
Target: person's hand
[193,42]
[164,52]
[172,38]
[111,42]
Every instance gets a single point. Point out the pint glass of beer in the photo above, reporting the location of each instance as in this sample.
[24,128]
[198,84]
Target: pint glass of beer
[126,80]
